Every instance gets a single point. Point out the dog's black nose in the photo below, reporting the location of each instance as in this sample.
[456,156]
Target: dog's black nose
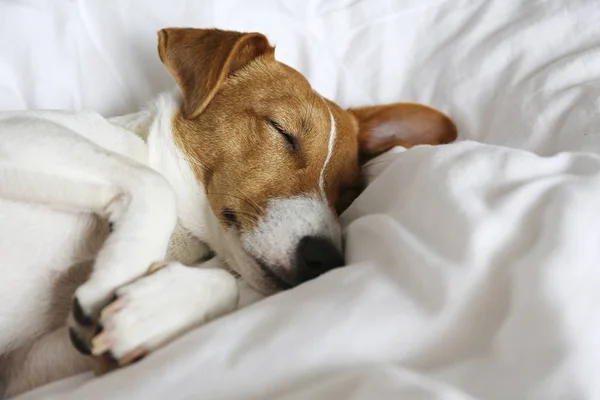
[315,256]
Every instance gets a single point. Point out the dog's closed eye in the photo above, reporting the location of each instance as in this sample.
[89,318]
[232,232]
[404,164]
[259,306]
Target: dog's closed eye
[231,217]
[290,139]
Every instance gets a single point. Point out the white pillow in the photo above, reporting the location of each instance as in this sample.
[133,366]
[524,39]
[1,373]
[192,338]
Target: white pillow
[518,73]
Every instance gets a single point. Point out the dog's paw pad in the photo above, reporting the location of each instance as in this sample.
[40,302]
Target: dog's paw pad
[79,315]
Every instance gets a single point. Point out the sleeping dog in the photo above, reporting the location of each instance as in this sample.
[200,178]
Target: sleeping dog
[244,169]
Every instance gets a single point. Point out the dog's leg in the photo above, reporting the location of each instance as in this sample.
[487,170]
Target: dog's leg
[137,201]
[142,217]
[155,309]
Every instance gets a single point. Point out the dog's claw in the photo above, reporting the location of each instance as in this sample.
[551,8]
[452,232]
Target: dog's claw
[132,357]
[112,308]
[101,344]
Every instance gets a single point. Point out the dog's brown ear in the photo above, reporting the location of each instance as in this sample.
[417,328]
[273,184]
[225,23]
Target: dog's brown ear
[201,59]
[400,124]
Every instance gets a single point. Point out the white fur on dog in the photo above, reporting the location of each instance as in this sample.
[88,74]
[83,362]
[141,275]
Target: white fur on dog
[167,303]
[330,144]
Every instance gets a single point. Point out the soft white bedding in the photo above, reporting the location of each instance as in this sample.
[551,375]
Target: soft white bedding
[474,268]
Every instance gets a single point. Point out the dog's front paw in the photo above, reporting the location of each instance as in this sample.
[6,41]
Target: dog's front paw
[161,306]
[88,302]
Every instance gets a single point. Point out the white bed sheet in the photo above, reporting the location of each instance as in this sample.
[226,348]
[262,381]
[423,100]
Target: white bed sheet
[473,268]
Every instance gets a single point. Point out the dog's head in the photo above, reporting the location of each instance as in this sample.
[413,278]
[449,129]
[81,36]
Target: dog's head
[278,161]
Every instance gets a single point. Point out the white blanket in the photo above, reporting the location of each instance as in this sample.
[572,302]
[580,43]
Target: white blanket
[474,274]
[474,268]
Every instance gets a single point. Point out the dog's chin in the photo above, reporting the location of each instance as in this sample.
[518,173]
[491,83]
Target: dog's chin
[261,277]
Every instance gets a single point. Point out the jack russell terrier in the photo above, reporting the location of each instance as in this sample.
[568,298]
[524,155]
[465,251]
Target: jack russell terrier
[245,162]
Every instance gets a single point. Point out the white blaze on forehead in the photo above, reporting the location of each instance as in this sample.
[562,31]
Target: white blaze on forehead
[287,220]
[332,134]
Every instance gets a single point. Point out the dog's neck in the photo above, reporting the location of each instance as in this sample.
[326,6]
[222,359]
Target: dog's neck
[154,126]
